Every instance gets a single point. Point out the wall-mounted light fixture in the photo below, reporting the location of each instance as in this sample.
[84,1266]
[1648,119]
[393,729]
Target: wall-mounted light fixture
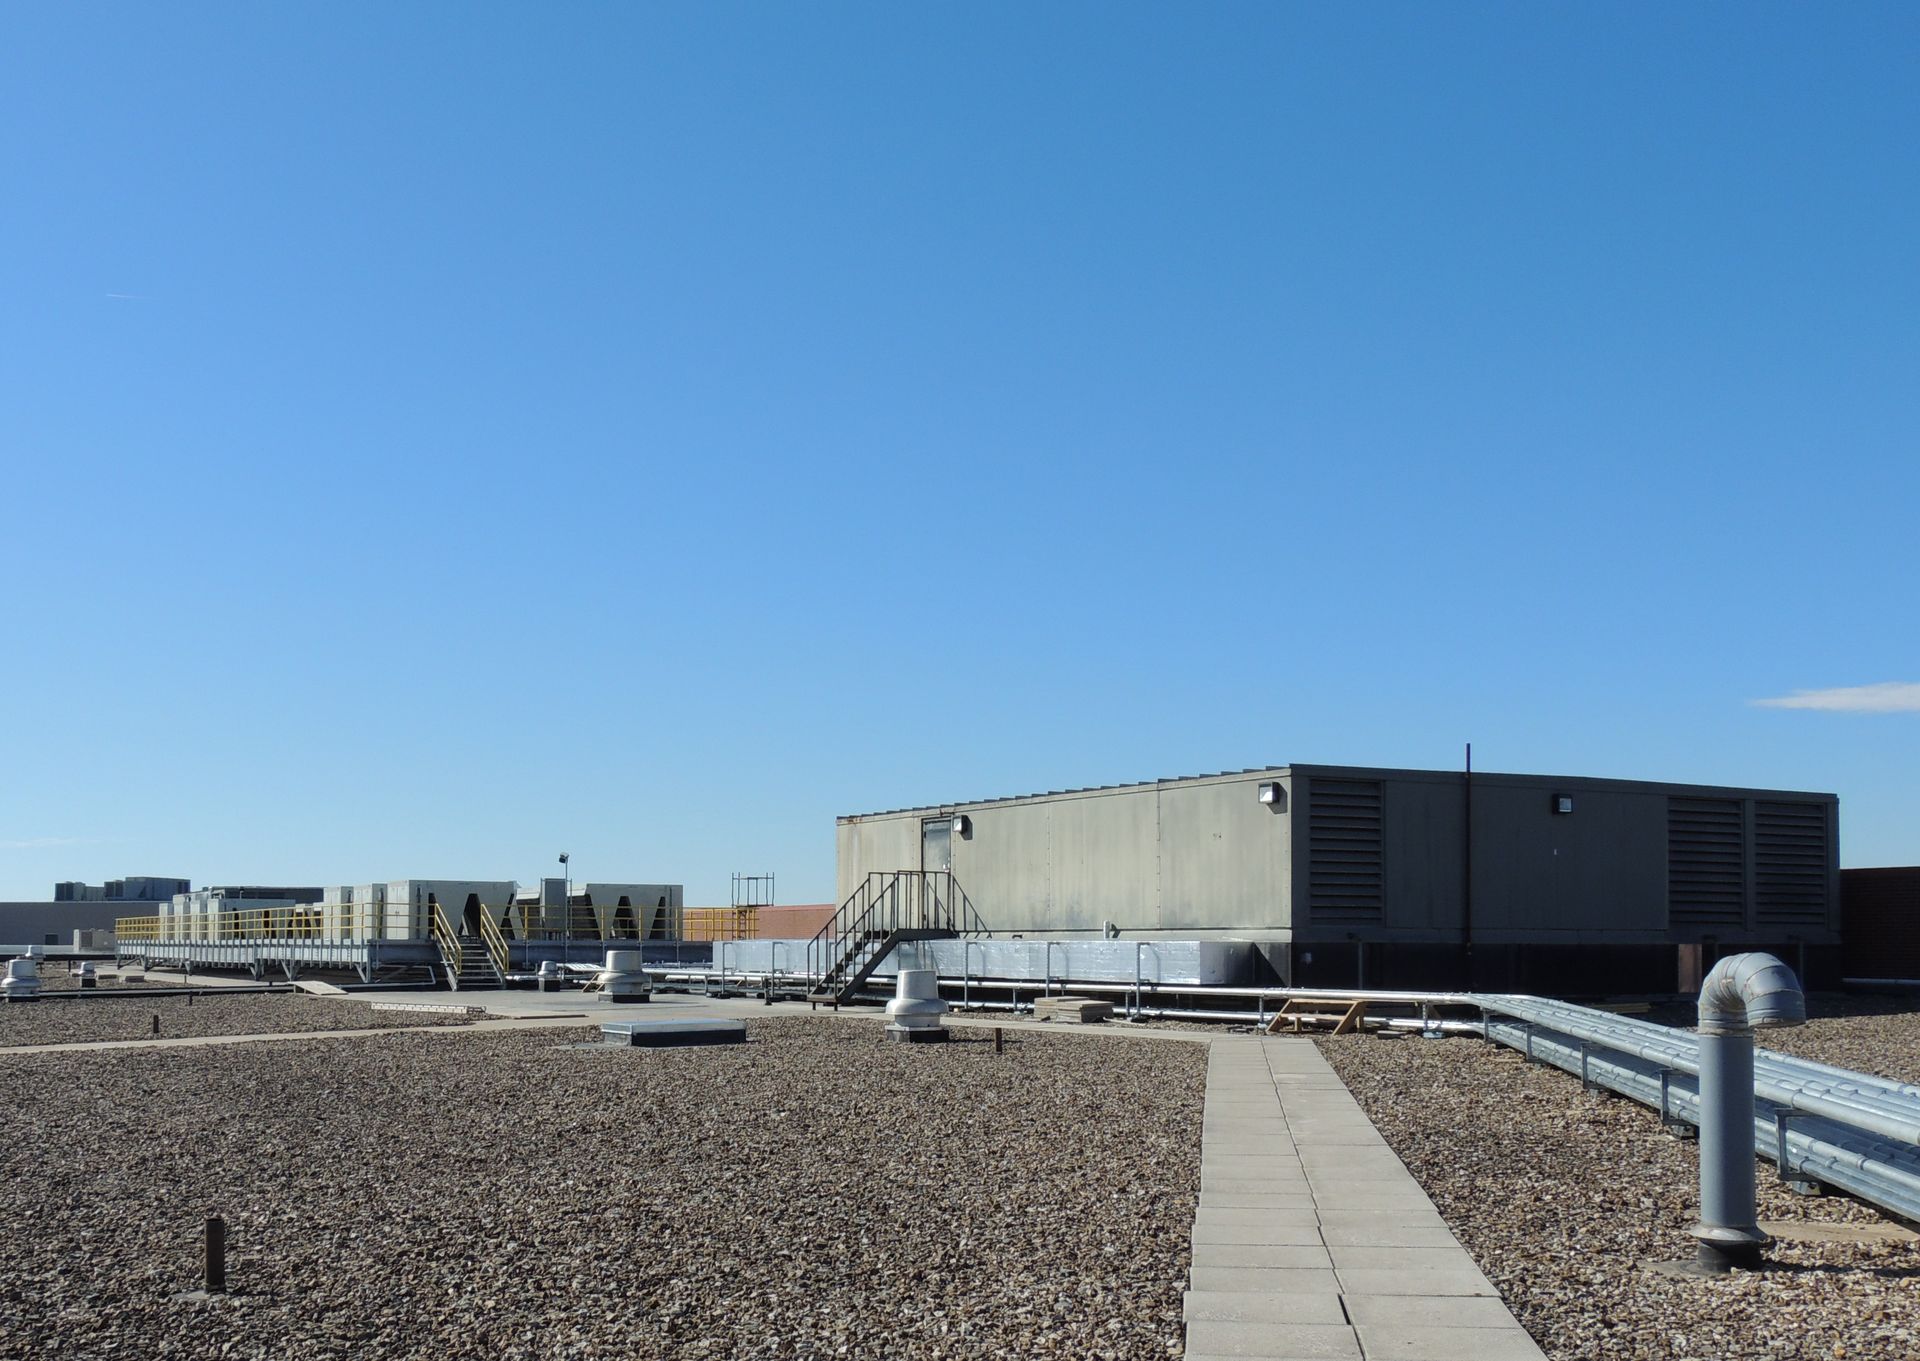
[962,825]
[1274,795]
[1562,803]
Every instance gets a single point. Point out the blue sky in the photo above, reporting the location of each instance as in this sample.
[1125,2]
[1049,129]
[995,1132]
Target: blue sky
[437,436]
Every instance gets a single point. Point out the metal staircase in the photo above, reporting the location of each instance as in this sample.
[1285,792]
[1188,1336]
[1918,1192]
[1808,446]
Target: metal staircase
[889,908]
[473,969]
[470,961]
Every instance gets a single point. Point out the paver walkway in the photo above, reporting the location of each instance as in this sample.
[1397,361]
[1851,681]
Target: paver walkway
[477,1026]
[1313,1242]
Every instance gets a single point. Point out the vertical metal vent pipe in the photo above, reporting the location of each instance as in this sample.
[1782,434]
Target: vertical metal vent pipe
[1741,993]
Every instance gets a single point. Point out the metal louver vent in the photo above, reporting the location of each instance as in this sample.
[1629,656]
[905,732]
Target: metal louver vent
[1706,878]
[1346,881]
[1790,863]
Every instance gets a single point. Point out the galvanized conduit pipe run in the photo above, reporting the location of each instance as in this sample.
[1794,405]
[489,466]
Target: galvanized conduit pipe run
[1877,1171]
[1825,1125]
[668,978]
[1869,1106]
[1889,1109]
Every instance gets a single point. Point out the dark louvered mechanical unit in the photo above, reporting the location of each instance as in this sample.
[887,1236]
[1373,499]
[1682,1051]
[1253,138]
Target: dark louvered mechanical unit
[1706,862]
[1348,882]
[1790,861]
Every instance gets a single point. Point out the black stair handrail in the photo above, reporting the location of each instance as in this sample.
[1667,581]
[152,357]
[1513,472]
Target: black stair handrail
[876,896]
[881,905]
[837,928]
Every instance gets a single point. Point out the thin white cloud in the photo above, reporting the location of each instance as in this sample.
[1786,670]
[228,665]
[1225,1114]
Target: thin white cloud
[39,843]
[1885,697]
[128,297]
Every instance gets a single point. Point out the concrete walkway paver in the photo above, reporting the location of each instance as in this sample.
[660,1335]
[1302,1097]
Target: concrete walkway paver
[1312,1241]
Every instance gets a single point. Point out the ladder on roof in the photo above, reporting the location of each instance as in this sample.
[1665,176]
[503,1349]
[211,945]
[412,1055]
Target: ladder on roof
[888,909]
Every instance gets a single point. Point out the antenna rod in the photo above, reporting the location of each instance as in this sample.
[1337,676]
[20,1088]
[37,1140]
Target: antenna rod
[1466,871]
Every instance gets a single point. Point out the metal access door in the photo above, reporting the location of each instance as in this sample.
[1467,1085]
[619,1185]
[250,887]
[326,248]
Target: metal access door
[936,845]
[936,857]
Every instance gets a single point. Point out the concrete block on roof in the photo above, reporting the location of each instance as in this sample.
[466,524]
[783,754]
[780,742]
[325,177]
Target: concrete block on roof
[1081,1010]
[1225,1219]
[1290,1255]
[1272,1341]
[1370,1256]
[1259,1306]
[674,1034]
[1273,1216]
[1387,1235]
[1351,1136]
[1370,1195]
[1412,1212]
[1229,1180]
[1255,1200]
[1279,1165]
[1378,1174]
[1295,1234]
[1277,1280]
[1391,1281]
[1268,1141]
[1428,1312]
[1412,1342]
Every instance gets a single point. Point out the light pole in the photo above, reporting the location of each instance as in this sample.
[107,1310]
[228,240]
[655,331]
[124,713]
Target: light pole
[566,911]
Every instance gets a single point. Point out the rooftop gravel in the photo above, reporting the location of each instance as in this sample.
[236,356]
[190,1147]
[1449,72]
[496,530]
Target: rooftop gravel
[1560,1195]
[59,1020]
[816,1192]
[58,976]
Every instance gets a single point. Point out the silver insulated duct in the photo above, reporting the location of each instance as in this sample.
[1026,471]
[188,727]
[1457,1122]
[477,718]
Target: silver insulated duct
[1750,992]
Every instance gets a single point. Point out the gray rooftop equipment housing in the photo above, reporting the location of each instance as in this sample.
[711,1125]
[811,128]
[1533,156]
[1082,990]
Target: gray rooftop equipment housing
[1392,877]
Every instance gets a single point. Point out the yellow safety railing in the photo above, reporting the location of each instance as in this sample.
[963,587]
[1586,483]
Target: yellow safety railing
[580,921]
[304,921]
[540,919]
[606,921]
[719,923]
[495,941]
[448,940]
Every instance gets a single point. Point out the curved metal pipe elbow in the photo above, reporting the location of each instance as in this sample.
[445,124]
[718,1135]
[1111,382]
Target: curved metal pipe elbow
[1750,991]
